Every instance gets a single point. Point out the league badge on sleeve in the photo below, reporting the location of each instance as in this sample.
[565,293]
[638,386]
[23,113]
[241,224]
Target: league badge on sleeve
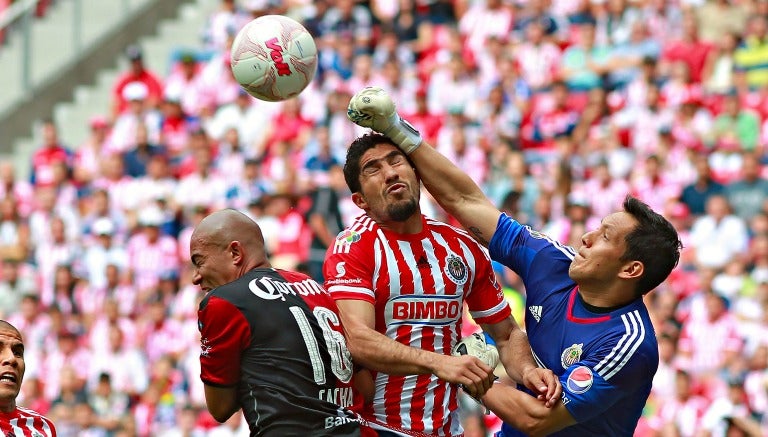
[580,380]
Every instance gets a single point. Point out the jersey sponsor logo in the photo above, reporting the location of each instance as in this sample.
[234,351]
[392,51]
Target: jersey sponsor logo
[571,355]
[340,270]
[339,281]
[535,312]
[270,289]
[580,380]
[456,269]
[347,236]
[434,310]
[333,422]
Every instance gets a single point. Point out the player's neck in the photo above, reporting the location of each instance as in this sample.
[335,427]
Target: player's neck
[604,298]
[413,225]
[7,406]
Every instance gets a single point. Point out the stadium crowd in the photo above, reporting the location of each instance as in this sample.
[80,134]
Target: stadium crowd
[557,108]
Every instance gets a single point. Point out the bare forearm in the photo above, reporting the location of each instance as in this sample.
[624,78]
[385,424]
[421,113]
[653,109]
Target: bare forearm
[378,352]
[447,183]
[456,192]
[516,355]
[524,412]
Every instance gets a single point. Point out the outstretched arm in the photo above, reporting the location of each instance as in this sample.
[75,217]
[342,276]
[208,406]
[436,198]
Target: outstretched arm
[456,192]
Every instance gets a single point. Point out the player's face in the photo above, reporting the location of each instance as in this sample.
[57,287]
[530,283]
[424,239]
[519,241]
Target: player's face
[11,367]
[598,259]
[388,184]
[212,267]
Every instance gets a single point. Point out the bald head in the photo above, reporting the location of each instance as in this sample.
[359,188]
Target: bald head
[5,326]
[224,246]
[223,227]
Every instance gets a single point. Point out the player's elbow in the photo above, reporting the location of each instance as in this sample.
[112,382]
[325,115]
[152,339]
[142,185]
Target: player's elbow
[534,422]
[220,414]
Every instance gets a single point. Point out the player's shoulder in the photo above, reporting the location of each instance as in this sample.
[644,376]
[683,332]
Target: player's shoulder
[629,341]
[26,412]
[357,236]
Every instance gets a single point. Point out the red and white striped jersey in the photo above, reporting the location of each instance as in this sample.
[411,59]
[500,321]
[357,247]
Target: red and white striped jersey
[418,284]
[25,423]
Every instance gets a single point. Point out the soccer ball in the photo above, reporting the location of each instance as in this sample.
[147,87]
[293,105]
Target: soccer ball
[273,58]
[476,346]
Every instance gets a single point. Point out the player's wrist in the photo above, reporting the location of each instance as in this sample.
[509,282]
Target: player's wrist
[403,134]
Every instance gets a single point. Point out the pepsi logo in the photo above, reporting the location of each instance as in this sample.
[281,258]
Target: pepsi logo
[580,380]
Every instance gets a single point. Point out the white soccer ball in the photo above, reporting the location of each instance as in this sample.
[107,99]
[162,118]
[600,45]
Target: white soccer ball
[274,58]
[476,346]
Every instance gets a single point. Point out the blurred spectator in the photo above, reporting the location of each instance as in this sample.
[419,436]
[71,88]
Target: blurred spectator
[325,222]
[136,74]
[102,253]
[228,19]
[14,230]
[186,424]
[688,48]
[718,235]
[710,342]
[15,283]
[16,189]
[138,113]
[87,164]
[752,55]
[136,158]
[485,19]
[149,251]
[185,82]
[696,194]
[717,76]
[747,196]
[735,127]
[346,19]
[719,18]
[681,415]
[50,152]
[66,370]
[584,63]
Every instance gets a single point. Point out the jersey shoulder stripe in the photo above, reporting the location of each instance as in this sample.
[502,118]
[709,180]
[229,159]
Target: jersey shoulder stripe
[634,334]
[360,229]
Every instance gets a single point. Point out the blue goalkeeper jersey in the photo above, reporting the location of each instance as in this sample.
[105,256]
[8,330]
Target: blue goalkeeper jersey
[605,361]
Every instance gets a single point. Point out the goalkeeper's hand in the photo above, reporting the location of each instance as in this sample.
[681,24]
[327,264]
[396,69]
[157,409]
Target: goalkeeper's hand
[372,107]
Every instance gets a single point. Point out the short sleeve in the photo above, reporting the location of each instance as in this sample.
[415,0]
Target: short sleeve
[224,333]
[348,268]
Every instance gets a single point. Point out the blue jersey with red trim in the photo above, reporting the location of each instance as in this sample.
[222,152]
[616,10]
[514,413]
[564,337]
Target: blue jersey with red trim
[605,361]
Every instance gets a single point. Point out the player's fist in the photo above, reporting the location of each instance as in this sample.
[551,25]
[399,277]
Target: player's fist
[373,108]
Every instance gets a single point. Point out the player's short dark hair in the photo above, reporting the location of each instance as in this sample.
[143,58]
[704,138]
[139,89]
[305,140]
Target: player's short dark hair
[355,152]
[654,242]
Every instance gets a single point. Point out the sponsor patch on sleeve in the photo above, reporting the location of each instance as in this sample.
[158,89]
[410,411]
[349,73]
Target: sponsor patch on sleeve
[580,380]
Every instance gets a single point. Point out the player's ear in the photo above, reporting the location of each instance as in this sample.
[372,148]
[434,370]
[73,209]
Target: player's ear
[632,270]
[236,252]
[359,200]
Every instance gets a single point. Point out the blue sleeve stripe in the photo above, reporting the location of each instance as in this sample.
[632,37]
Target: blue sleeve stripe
[633,336]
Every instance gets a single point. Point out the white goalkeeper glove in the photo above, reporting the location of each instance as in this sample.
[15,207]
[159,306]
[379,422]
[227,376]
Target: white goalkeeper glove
[372,107]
